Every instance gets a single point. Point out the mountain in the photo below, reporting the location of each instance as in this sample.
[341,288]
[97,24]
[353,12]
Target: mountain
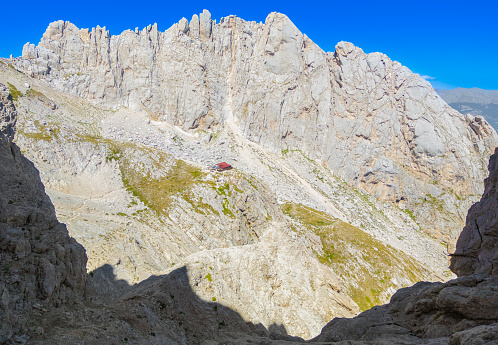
[47,295]
[368,119]
[475,101]
[351,178]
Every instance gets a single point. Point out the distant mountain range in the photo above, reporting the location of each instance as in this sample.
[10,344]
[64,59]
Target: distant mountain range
[474,101]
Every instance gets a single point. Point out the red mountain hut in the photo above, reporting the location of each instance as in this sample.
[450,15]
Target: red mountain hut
[222,166]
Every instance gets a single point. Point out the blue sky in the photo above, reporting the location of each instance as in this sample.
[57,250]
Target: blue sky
[453,43]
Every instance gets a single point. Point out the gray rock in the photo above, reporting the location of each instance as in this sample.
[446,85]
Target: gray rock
[8,116]
[194,26]
[458,309]
[183,25]
[205,24]
[476,336]
[206,138]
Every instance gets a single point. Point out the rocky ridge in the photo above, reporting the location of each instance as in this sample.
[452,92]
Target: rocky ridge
[280,90]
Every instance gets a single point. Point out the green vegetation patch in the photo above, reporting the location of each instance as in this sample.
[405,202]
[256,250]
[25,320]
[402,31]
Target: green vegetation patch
[435,202]
[224,190]
[410,213]
[14,92]
[157,192]
[33,93]
[199,205]
[113,154]
[45,132]
[226,210]
[365,264]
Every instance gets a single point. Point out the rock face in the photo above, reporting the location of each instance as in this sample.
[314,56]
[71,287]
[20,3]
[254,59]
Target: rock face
[366,118]
[41,266]
[477,246]
[8,118]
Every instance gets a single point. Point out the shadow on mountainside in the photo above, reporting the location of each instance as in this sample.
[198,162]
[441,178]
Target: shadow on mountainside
[161,305]
[107,287]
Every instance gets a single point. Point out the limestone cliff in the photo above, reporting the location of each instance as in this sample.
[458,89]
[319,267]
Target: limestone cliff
[366,118]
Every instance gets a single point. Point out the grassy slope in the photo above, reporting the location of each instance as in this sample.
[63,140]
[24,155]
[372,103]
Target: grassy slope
[368,267]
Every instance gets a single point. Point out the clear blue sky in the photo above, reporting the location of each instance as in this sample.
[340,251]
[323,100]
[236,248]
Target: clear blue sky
[455,43]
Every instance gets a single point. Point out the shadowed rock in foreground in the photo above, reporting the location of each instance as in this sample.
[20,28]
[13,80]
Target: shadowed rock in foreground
[426,313]
[477,247]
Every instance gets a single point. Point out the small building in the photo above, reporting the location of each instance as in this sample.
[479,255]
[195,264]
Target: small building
[221,166]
